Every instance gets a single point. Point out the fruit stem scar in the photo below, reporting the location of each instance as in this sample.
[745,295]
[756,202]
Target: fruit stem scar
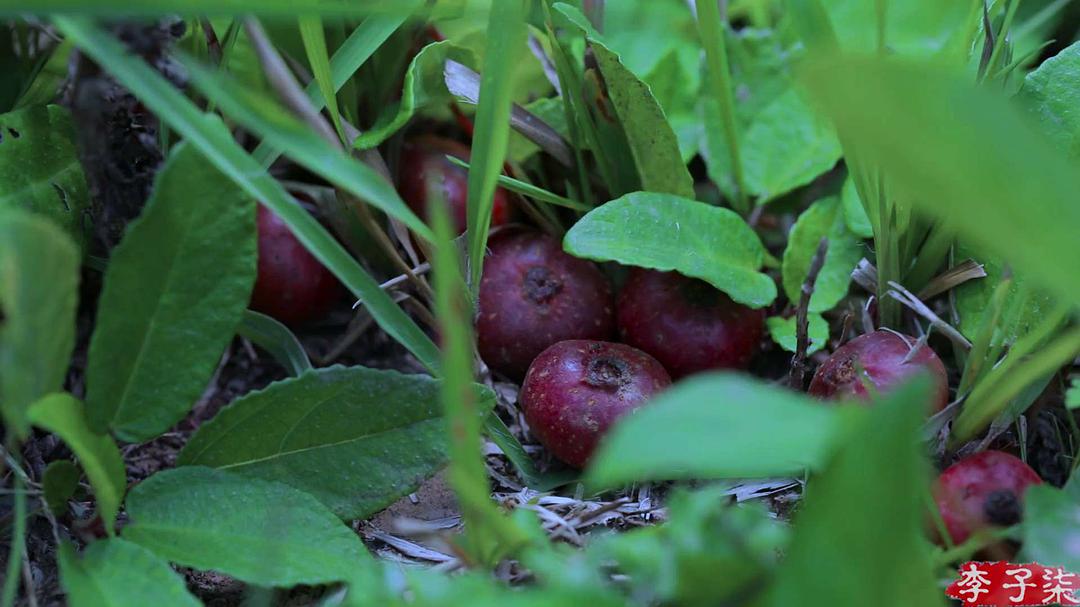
[607,372]
[540,285]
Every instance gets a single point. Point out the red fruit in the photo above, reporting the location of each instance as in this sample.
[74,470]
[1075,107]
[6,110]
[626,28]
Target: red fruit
[983,490]
[424,166]
[888,360]
[688,325]
[532,295]
[292,285]
[575,390]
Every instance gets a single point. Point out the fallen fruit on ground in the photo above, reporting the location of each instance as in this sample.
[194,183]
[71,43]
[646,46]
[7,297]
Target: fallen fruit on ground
[533,295]
[292,286]
[575,390]
[687,324]
[425,170]
[883,358]
[983,490]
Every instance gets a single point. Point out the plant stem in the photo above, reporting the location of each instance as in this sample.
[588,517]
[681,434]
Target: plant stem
[718,67]
[797,375]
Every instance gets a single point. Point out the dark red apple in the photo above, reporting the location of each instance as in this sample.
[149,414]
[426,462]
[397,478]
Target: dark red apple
[292,286]
[424,168]
[533,295]
[887,359]
[983,490]
[575,390]
[685,323]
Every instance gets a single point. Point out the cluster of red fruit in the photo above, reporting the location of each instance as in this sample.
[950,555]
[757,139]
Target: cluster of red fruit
[547,319]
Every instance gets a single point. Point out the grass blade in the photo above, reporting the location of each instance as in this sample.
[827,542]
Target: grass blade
[314,39]
[357,48]
[506,40]
[530,190]
[275,338]
[213,8]
[265,117]
[215,142]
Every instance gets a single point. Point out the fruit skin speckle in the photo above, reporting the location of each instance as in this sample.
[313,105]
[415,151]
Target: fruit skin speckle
[685,323]
[533,295]
[577,389]
[888,361]
[424,165]
[983,490]
[292,286]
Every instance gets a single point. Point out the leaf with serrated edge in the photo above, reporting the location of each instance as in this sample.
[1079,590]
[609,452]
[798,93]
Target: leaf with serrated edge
[257,531]
[667,232]
[824,218]
[118,573]
[355,438]
[176,288]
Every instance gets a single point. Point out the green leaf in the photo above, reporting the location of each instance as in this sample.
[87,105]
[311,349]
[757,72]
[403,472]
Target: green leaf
[118,573]
[157,8]
[1050,94]
[355,438]
[854,211]
[347,59]
[1072,395]
[260,532]
[175,290]
[425,86]
[1050,533]
[212,138]
[717,425]
[866,507]
[824,219]
[265,117]
[505,44]
[275,338]
[40,169]
[913,27]
[652,141]
[782,331]
[978,175]
[666,232]
[39,274]
[63,415]
[677,94]
[59,482]
[1022,308]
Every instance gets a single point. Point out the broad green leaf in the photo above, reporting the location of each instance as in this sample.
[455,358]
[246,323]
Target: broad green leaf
[268,119]
[275,338]
[212,138]
[58,483]
[979,175]
[717,425]
[647,34]
[824,219]
[652,141]
[1022,308]
[355,438]
[40,169]
[64,416]
[39,275]
[175,290]
[647,229]
[118,573]
[261,532]
[1050,94]
[278,8]
[425,86]
[854,211]
[866,507]
[675,91]
[782,331]
[786,146]
[353,52]
[505,45]
[1050,532]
